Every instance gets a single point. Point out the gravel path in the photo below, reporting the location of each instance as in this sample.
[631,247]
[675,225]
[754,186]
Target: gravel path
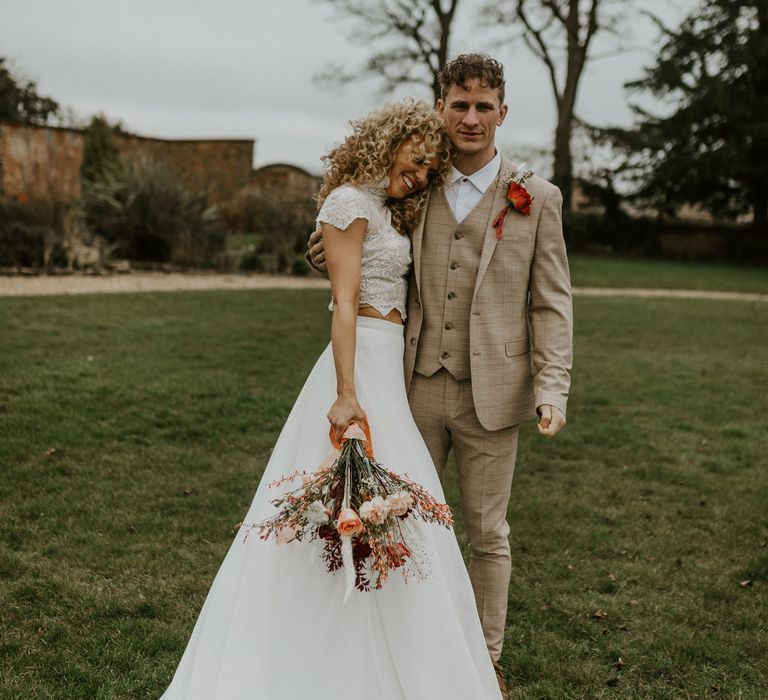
[16,286]
[44,285]
[674,293]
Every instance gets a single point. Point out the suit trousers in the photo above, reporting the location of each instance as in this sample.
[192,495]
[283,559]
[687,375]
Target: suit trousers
[444,412]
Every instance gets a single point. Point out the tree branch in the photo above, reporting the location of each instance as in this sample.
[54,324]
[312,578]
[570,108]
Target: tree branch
[421,32]
[538,37]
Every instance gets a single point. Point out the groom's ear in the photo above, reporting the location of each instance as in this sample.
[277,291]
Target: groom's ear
[440,105]
[502,114]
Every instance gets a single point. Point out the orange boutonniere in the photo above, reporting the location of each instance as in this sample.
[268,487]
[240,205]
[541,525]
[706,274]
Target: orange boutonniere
[518,198]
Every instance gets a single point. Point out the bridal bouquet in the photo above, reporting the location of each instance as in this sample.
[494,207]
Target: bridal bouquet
[359,511]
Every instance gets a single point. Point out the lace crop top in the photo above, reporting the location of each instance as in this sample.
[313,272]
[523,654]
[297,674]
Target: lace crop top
[386,259]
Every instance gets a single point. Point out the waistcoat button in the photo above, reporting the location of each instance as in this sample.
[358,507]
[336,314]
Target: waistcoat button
[444,355]
[451,295]
[413,341]
[457,235]
[448,326]
[454,265]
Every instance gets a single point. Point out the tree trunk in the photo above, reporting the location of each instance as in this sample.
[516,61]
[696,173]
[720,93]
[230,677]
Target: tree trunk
[563,173]
[760,147]
[566,101]
[436,88]
[445,18]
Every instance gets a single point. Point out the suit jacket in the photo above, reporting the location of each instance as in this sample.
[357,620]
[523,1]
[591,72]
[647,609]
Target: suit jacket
[521,323]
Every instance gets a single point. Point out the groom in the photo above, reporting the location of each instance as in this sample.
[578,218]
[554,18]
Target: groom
[489,328]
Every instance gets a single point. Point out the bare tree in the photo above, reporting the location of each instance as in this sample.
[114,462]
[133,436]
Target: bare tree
[560,33]
[413,36]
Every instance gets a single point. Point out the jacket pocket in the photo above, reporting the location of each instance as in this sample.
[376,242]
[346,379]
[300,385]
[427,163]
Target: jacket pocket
[513,348]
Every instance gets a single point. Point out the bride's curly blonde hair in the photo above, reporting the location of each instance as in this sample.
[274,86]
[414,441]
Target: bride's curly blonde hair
[366,156]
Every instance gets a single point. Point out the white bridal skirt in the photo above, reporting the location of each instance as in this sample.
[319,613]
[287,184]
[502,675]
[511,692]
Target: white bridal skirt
[274,625]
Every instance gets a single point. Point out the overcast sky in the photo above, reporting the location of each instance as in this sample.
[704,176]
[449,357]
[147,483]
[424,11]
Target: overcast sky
[247,69]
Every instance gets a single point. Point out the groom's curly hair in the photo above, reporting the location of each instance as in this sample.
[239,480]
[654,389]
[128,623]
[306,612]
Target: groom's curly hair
[366,156]
[472,66]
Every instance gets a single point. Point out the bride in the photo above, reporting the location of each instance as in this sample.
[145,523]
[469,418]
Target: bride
[274,625]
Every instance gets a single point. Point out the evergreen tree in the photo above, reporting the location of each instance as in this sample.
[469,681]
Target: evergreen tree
[101,156]
[711,148]
[20,101]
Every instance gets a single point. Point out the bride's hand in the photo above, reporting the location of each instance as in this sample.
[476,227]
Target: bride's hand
[345,410]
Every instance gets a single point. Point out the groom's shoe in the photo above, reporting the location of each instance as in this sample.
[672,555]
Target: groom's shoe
[502,681]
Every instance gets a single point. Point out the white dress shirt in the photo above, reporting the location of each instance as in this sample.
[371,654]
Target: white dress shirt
[463,192]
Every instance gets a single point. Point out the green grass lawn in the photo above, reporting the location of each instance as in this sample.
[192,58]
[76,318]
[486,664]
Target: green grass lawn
[590,271]
[133,429]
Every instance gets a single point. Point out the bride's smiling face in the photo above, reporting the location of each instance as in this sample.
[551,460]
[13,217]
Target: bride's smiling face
[410,170]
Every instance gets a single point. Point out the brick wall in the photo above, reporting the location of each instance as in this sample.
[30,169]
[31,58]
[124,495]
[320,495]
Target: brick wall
[220,167]
[40,163]
[44,162]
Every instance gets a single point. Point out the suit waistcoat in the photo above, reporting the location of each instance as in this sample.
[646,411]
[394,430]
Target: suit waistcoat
[450,259]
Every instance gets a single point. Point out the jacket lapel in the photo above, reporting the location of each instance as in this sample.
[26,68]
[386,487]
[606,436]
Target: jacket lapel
[506,171]
[489,239]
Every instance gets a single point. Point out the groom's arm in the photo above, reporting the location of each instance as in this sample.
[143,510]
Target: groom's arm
[551,316]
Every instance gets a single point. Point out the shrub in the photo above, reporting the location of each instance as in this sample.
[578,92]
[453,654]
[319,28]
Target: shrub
[300,268]
[596,233]
[282,217]
[32,233]
[149,215]
[252,262]
[21,245]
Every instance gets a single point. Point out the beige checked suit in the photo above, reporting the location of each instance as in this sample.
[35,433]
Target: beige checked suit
[488,339]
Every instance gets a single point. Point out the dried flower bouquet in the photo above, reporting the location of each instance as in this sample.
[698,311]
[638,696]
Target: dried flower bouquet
[359,511]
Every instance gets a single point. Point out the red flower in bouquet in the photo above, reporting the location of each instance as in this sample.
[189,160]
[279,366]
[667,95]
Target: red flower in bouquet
[398,553]
[360,550]
[327,532]
[518,198]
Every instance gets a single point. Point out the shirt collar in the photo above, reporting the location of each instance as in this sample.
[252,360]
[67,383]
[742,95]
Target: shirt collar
[483,178]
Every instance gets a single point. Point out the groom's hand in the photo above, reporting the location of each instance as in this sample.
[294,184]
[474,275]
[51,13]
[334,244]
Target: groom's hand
[316,251]
[551,420]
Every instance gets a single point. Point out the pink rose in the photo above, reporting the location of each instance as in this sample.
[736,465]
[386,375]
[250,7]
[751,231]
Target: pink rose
[400,502]
[375,511]
[349,523]
[286,534]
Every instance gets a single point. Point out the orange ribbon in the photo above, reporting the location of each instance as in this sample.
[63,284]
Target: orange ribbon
[498,222]
[354,432]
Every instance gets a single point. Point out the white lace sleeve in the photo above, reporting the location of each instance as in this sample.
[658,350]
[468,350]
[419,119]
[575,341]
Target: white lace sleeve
[342,206]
